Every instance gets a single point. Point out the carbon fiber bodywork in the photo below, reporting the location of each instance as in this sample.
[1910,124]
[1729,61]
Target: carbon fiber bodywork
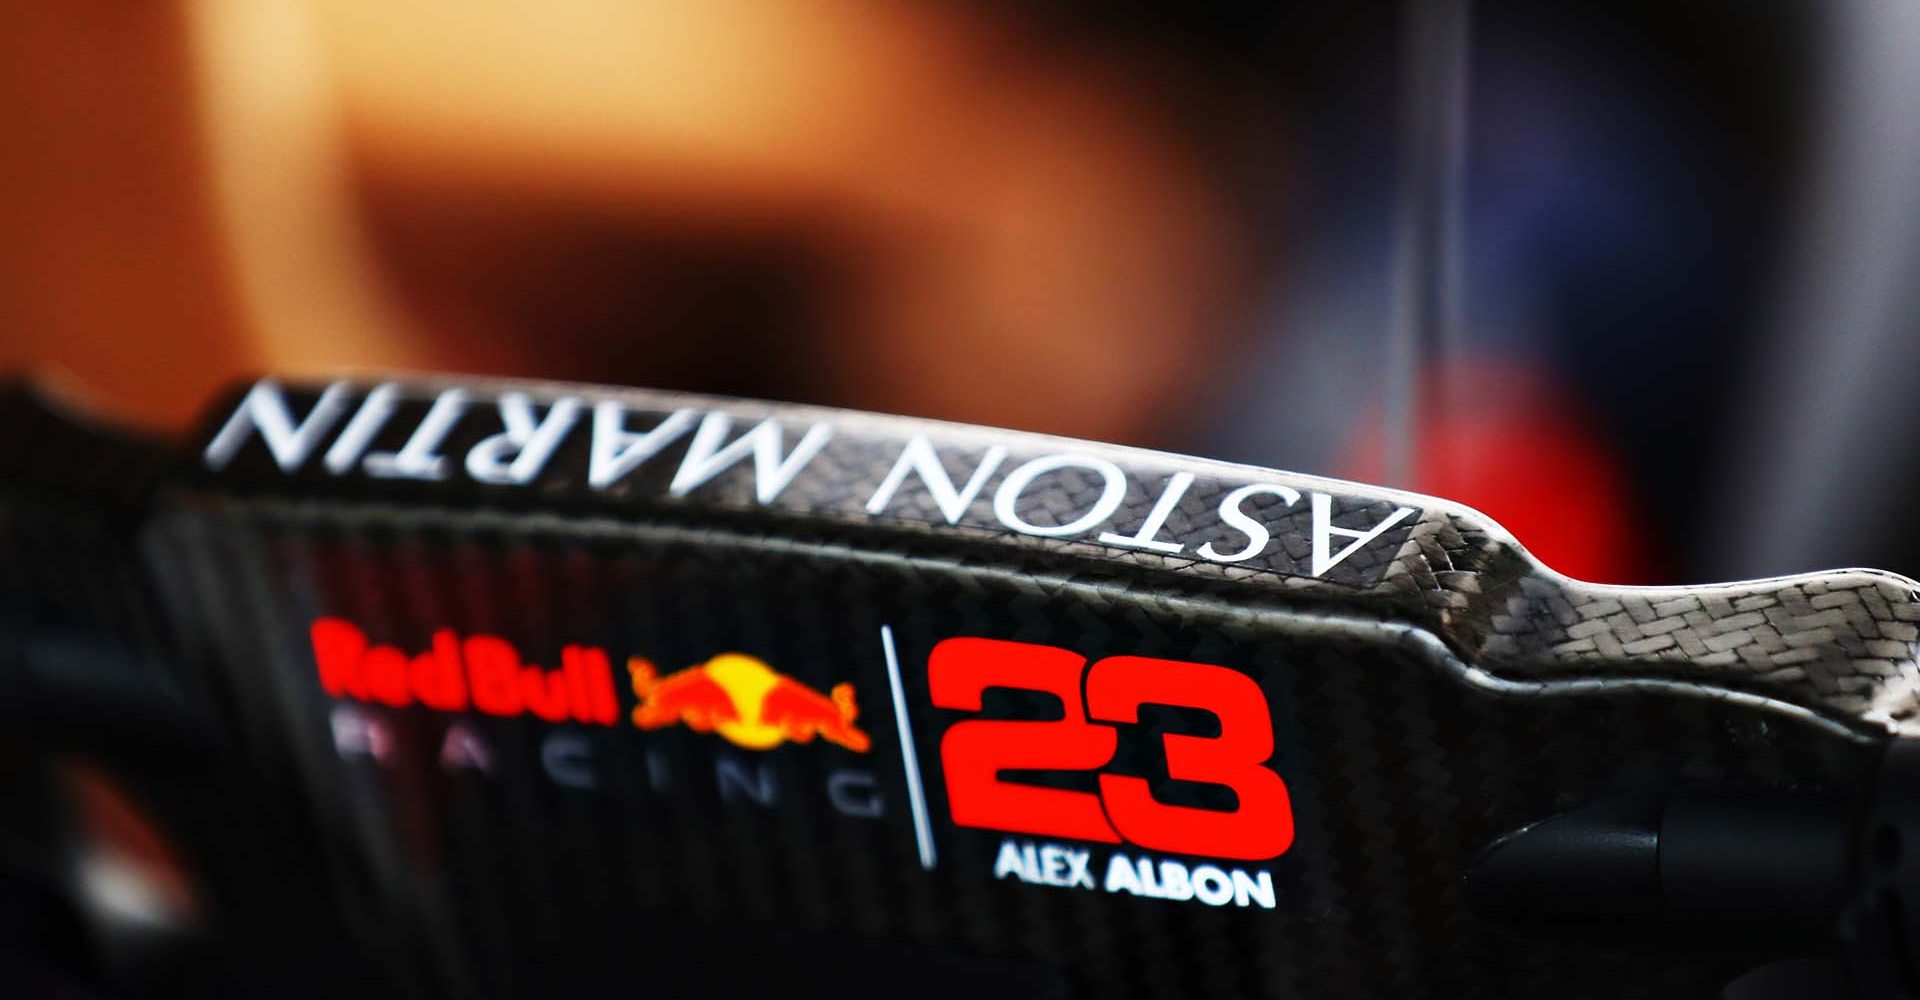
[1430,688]
[1839,645]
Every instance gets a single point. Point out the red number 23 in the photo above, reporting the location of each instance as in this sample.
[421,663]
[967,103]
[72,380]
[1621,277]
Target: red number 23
[974,752]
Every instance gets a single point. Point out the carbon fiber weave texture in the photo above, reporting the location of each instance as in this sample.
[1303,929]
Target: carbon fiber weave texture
[1400,771]
[1841,645]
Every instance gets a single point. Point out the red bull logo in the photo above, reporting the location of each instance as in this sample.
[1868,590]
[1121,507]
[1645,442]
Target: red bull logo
[481,672]
[746,702]
[735,695]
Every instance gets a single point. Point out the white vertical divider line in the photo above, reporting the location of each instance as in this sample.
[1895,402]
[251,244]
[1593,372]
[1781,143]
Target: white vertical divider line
[916,795]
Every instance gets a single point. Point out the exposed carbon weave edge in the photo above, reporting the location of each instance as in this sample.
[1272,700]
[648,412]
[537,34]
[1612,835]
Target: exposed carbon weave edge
[1842,645]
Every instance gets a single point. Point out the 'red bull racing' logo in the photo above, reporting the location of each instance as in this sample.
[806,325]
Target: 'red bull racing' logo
[737,696]
[750,705]
[746,702]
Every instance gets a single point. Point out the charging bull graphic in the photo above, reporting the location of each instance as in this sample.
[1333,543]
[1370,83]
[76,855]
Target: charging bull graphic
[745,701]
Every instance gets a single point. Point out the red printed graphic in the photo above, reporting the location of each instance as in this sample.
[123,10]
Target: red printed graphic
[974,752]
[481,672]
[746,702]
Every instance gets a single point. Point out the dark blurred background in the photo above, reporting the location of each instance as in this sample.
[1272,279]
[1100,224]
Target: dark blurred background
[1677,341]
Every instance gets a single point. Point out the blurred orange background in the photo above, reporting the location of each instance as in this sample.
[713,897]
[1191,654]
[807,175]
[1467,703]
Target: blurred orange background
[707,192]
[1140,222]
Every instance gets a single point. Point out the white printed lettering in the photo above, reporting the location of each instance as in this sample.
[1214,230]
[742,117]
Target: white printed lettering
[918,457]
[1237,519]
[1007,499]
[420,457]
[617,451]
[1156,518]
[707,458]
[1323,529]
[517,454]
[265,409]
